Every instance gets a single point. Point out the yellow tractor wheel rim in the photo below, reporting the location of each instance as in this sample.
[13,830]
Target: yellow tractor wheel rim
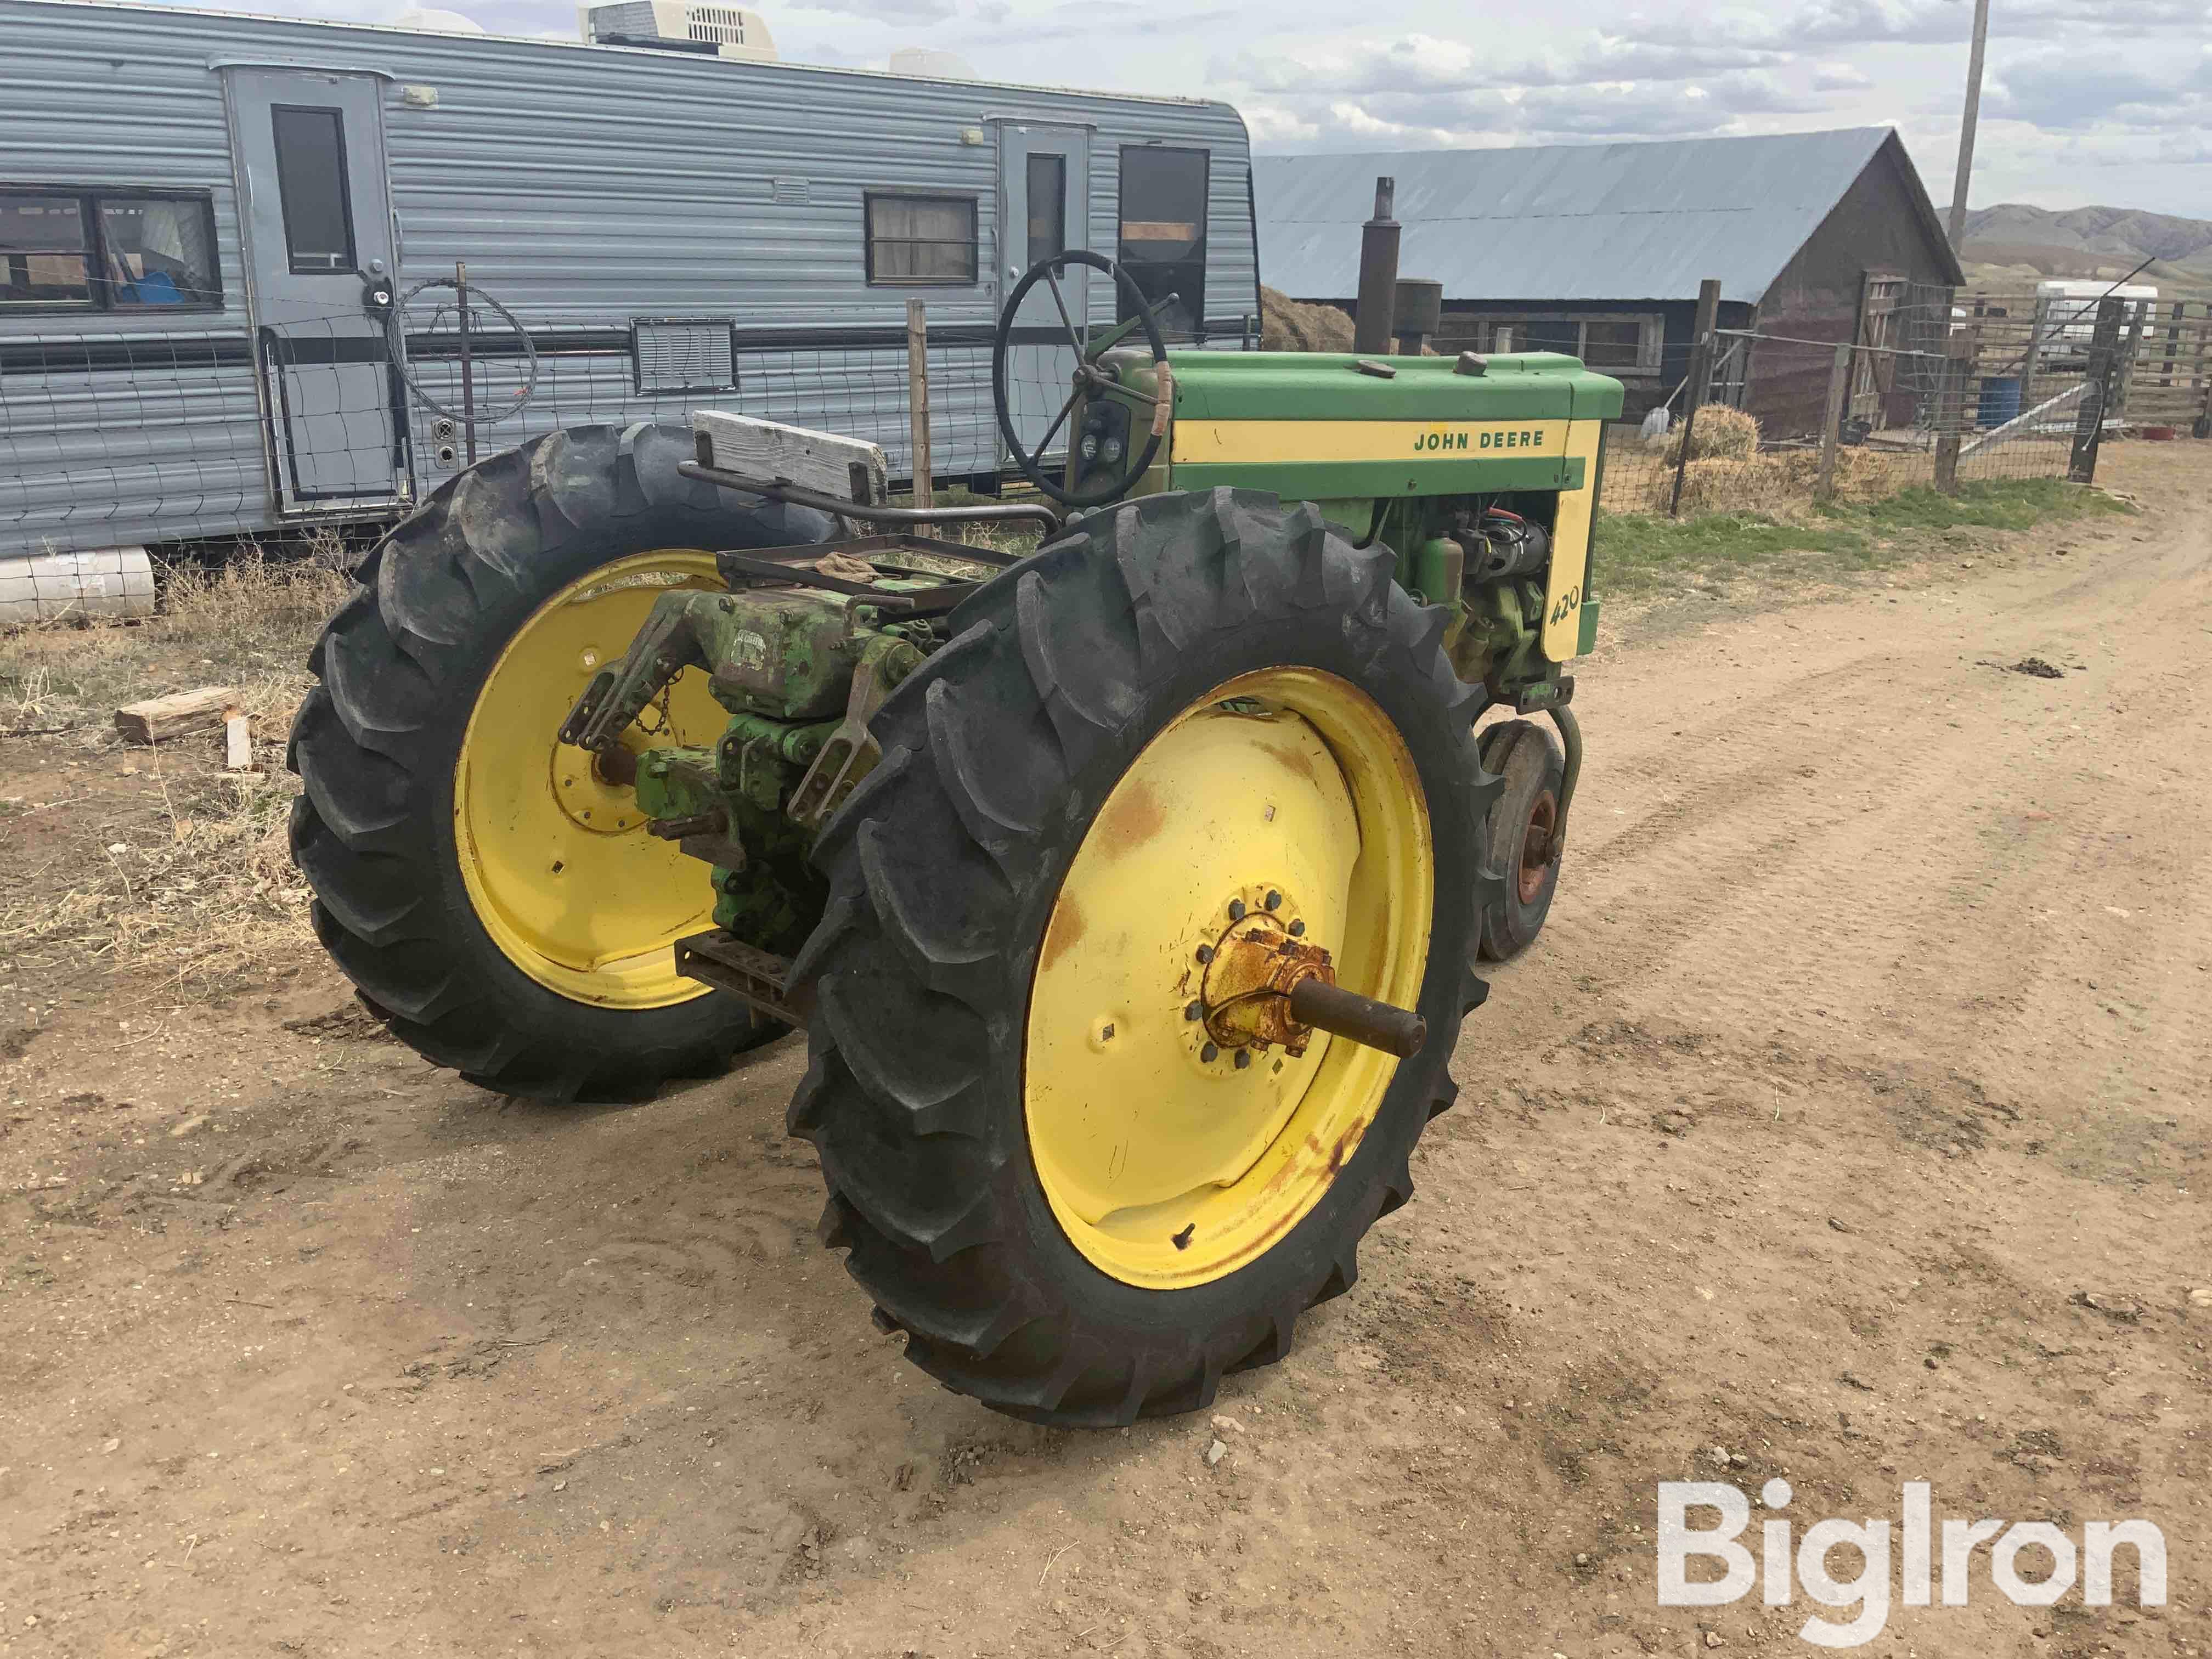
[555,858]
[1166,1168]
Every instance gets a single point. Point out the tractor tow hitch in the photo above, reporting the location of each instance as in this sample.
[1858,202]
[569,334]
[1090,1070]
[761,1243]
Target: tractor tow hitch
[753,977]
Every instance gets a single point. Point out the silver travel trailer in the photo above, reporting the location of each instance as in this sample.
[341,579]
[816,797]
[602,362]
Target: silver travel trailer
[221,239]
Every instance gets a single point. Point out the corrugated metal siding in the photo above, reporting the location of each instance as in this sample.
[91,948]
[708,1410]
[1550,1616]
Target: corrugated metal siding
[584,186]
[1564,222]
[107,456]
[112,458]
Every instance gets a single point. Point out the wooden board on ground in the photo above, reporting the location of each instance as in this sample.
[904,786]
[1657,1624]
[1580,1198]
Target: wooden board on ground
[163,720]
[238,743]
[776,453]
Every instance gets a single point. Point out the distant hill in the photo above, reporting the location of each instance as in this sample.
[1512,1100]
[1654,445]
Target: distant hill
[2012,245]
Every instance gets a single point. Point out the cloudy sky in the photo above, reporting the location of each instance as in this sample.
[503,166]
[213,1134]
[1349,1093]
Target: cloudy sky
[2087,101]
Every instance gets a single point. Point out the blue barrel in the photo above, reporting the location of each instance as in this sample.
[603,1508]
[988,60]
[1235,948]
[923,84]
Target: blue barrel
[2000,402]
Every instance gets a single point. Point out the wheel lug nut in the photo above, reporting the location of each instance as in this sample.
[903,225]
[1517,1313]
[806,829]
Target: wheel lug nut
[1243,1058]
[1193,1011]
[1209,1053]
[1297,930]
[1205,953]
[1237,909]
[1275,899]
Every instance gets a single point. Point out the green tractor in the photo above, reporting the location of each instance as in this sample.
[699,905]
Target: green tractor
[1130,891]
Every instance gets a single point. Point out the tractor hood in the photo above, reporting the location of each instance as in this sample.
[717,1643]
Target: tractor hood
[1320,428]
[1290,386]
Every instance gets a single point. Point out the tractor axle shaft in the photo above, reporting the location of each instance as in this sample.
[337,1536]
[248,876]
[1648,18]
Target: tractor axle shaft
[1327,1007]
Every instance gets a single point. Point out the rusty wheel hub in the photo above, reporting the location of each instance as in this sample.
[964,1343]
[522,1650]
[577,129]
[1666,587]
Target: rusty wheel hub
[1252,970]
[1536,855]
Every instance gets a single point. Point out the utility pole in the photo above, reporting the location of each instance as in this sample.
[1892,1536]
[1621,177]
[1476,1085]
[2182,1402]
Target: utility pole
[1966,125]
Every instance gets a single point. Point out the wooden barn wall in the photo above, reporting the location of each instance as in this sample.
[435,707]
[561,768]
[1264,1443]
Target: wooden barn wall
[1678,333]
[1874,228]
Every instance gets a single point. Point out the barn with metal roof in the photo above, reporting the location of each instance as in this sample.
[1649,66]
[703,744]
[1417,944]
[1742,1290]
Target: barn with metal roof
[1599,249]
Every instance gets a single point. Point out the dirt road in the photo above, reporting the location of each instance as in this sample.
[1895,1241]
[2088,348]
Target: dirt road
[1850,1127]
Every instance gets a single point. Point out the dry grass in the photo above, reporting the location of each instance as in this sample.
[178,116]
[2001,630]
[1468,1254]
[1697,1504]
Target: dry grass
[1775,483]
[1719,433]
[191,877]
[247,622]
[200,890]
[1288,325]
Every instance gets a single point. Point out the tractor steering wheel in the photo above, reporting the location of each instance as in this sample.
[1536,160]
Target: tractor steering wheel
[1114,479]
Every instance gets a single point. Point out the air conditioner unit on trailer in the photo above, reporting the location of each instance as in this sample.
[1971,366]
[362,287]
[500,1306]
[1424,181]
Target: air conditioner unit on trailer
[680,26]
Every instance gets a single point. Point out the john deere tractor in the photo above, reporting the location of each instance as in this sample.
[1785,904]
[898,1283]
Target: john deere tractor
[1130,891]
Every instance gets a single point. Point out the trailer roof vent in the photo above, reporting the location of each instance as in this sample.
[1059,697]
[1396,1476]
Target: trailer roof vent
[433,19]
[931,62]
[695,26]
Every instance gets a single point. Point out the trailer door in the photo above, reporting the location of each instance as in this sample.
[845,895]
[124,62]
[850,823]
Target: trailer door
[308,150]
[1044,209]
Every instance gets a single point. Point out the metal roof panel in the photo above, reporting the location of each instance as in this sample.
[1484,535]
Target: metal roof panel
[1563,221]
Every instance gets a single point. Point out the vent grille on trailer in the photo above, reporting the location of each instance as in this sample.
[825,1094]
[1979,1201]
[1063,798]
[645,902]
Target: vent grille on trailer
[684,354]
[724,25]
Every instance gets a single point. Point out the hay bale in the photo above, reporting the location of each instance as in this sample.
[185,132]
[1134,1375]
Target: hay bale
[1286,325]
[1719,433]
[1761,484]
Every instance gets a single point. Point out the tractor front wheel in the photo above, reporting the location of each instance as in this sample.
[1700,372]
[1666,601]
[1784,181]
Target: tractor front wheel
[1197,740]
[491,891]
[1519,839]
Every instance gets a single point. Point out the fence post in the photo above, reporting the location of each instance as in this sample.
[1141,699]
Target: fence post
[2089,426]
[468,363]
[2204,426]
[2125,382]
[1832,431]
[1951,408]
[1699,380]
[917,399]
[1708,319]
[2029,358]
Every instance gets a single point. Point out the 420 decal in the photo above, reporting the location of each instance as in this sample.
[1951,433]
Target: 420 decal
[1567,603]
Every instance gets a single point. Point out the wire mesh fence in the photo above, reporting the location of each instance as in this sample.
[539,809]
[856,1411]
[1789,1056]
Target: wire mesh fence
[1947,400]
[194,427]
[199,426]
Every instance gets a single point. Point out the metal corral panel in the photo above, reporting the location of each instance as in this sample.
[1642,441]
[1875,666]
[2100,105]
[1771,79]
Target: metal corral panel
[587,187]
[1564,222]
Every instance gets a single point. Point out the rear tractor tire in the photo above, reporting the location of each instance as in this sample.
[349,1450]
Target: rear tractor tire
[492,892]
[1192,720]
[1516,839]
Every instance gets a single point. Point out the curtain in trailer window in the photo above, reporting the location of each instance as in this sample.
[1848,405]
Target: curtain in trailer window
[159,252]
[43,255]
[921,239]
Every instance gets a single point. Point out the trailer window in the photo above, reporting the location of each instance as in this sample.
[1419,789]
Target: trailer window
[917,239]
[44,251]
[1047,206]
[159,251]
[1163,231]
[311,187]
